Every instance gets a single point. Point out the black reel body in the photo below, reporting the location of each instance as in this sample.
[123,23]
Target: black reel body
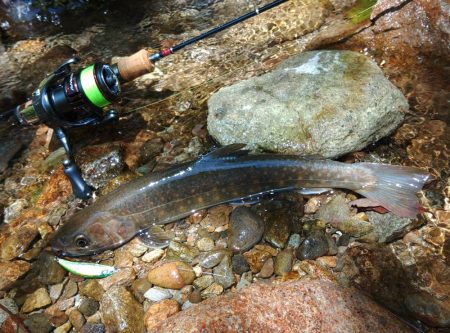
[67,99]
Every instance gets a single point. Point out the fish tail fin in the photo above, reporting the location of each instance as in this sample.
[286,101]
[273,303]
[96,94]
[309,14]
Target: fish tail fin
[394,187]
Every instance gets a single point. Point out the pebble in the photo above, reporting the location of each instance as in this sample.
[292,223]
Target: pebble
[186,305]
[36,300]
[91,288]
[10,305]
[217,216]
[11,271]
[245,230]
[213,290]
[256,258]
[88,306]
[56,314]
[240,264]
[160,311]
[294,241]
[314,246]
[267,269]
[55,291]
[172,275]
[76,319]
[181,251]
[38,323]
[70,289]
[245,280]
[50,272]
[124,277]
[136,247]
[153,256]
[93,328]
[205,244]
[279,228]
[18,241]
[122,258]
[195,296]
[121,312]
[212,258]
[283,261]
[203,282]
[65,328]
[182,295]
[14,210]
[157,294]
[139,288]
[198,270]
[328,261]
[223,273]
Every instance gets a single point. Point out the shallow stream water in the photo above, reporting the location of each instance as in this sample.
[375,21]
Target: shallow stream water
[163,122]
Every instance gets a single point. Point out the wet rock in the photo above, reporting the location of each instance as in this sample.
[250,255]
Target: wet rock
[203,282]
[283,261]
[195,297]
[121,312]
[55,291]
[314,246]
[38,323]
[139,288]
[93,289]
[240,264]
[256,258]
[136,248]
[100,163]
[36,300]
[307,309]
[279,228]
[223,273]
[267,269]
[205,244]
[181,251]
[123,258]
[153,256]
[328,261]
[76,319]
[159,312]
[217,217]
[389,227]
[407,276]
[10,305]
[294,241]
[122,277]
[65,328]
[93,328]
[172,275]
[352,90]
[157,294]
[88,306]
[213,290]
[182,295]
[14,210]
[18,241]
[245,230]
[212,258]
[70,289]
[7,151]
[11,271]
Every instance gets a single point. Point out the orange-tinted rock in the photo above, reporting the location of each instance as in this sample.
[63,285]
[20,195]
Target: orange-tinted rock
[11,271]
[160,311]
[309,306]
[172,275]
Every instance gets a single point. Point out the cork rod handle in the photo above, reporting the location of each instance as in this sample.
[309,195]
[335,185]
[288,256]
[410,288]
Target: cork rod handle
[135,65]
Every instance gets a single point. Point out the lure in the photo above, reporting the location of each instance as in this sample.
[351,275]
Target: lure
[87,269]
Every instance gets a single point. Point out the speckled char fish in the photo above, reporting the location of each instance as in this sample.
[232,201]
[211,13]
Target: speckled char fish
[225,175]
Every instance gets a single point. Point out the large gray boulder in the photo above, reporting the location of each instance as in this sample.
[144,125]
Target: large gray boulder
[324,103]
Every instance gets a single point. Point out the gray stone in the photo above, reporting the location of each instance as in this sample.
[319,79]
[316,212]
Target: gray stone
[283,261]
[223,273]
[212,258]
[157,294]
[390,227]
[38,323]
[322,102]
[203,282]
[294,241]
[240,264]
[14,210]
[88,306]
[245,230]
[314,246]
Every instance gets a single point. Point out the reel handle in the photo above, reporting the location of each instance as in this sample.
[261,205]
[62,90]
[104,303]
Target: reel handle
[135,65]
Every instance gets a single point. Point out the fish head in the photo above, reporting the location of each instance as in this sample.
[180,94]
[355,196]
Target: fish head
[90,234]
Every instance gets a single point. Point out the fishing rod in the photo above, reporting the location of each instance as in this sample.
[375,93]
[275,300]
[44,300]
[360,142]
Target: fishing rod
[68,99]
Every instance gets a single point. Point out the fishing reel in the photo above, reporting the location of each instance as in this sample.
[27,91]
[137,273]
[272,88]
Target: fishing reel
[67,99]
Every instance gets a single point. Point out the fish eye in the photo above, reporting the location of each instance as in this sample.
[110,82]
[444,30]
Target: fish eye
[81,241]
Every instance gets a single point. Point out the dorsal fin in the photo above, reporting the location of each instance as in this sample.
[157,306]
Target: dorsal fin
[232,150]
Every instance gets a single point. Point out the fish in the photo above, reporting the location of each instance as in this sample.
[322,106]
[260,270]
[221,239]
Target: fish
[225,175]
[86,269]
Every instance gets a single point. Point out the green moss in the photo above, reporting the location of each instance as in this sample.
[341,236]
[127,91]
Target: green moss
[361,11]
